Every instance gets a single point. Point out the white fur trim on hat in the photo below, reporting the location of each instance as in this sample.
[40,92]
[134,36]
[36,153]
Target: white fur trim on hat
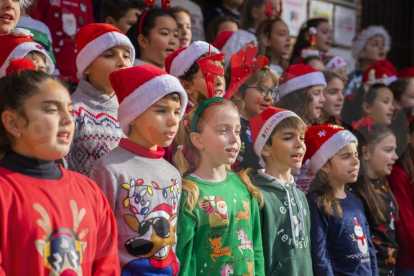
[310,79]
[236,42]
[336,63]
[146,95]
[330,148]
[99,45]
[21,50]
[390,80]
[267,129]
[184,60]
[360,41]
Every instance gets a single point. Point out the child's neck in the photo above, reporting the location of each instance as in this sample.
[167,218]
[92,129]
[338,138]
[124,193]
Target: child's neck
[275,58]
[211,173]
[230,7]
[139,140]
[365,63]
[143,57]
[279,173]
[338,188]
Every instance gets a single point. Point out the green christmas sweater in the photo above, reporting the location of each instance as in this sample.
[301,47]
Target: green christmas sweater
[221,236]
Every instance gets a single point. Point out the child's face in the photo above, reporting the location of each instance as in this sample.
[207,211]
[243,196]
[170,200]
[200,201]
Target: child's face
[39,60]
[47,133]
[334,99]
[407,98]
[227,26]
[129,19]
[382,157]
[113,59]
[287,149]
[344,166]
[184,28]
[9,15]
[318,100]
[374,49]
[162,41]
[382,109]
[323,37]
[199,85]
[279,40]
[158,125]
[342,73]
[255,102]
[219,141]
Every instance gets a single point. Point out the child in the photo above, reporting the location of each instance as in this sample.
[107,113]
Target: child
[323,38]
[142,188]
[379,104]
[253,12]
[278,136]
[64,19]
[276,44]
[376,148]
[301,90]
[400,181]
[337,65]
[12,11]
[372,44]
[20,47]
[183,65]
[182,16]
[226,8]
[219,25]
[154,36]
[341,243]
[218,226]
[232,42]
[315,62]
[122,13]
[102,50]
[334,98]
[403,91]
[69,228]
[258,93]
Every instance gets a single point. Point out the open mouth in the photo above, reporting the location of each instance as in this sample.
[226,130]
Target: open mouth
[232,151]
[169,51]
[219,92]
[169,135]
[354,173]
[7,18]
[162,252]
[338,106]
[297,157]
[264,106]
[389,166]
[63,137]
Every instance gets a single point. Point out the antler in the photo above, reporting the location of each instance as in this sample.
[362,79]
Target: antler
[240,70]
[209,70]
[166,4]
[149,3]
[45,223]
[77,217]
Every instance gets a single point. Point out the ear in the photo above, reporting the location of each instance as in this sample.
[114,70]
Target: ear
[87,71]
[10,122]
[365,153]
[366,107]
[255,13]
[266,41]
[307,36]
[196,140]
[132,222]
[110,20]
[237,96]
[187,86]
[142,41]
[267,150]
[397,105]
[326,168]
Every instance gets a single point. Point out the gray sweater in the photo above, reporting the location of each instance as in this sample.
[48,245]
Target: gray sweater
[97,130]
[144,192]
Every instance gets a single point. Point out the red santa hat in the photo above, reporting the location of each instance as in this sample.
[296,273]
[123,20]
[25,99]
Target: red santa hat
[356,222]
[324,142]
[94,39]
[299,76]
[406,73]
[262,126]
[163,210]
[13,47]
[230,42]
[139,87]
[359,42]
[178,62]
[335,63]
[381,67]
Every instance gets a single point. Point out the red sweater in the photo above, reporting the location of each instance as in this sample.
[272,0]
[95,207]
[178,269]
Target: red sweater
[64,18]
[55,227]
[399,182]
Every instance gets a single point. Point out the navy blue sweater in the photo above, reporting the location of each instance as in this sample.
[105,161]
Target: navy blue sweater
[341,246]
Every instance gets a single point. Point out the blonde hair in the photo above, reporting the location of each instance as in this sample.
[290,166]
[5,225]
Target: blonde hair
[182,164]
[259,78]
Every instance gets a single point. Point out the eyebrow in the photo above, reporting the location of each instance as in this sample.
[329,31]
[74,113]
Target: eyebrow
[164,106]
[291,133]
[55,102]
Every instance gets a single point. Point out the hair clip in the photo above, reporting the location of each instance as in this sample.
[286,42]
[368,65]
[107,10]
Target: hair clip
[165,5]
[209,70]
[365,122]
[269,10]
[243,65]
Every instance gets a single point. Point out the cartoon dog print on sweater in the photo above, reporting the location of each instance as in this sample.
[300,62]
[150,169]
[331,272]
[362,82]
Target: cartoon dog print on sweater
[154,218]
[62,249]
[216,245]
[216,209]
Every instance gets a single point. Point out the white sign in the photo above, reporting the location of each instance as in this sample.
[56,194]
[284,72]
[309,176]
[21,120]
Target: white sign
[294,14]
[321,9]
[345,25]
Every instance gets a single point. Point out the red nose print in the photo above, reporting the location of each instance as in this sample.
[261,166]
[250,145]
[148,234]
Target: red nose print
[69,272]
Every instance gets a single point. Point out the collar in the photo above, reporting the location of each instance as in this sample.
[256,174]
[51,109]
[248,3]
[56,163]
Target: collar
[272,178]
[140,150]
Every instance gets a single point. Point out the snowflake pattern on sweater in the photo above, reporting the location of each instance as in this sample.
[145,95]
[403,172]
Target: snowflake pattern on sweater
[97,130]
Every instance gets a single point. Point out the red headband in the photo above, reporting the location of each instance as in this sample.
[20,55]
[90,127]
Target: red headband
[165,4]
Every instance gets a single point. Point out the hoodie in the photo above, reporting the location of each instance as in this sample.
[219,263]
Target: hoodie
[285,225]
